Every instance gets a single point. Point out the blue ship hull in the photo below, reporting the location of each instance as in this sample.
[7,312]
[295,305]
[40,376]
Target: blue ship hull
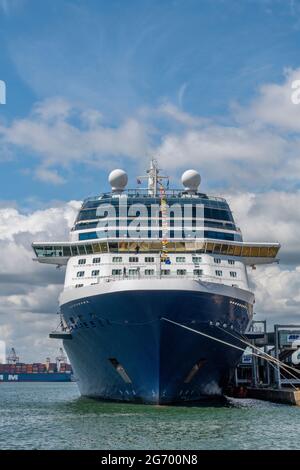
[123,349]
[36,377]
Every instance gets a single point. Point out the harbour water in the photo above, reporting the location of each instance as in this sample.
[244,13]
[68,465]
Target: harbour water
[54,416]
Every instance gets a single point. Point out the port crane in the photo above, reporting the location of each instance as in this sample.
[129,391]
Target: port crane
[12,357]
[61,358]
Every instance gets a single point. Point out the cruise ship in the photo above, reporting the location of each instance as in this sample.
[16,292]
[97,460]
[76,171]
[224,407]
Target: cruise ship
[156,292]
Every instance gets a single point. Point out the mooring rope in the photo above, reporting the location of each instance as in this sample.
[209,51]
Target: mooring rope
[269,358]
[206,335]
[244,340]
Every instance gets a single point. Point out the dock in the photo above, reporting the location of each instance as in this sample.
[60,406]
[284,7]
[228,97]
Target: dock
[271,371]
[286,396]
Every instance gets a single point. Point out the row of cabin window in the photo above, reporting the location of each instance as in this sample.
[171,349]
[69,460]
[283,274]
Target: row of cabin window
[135,259]
[220,273]
[218,261]
[95,261]
[150,259]
[148,272]
[197,272]
[118,259]
[118,272]
[96,272]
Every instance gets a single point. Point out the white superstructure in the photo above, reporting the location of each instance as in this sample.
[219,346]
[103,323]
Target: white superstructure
[142,266]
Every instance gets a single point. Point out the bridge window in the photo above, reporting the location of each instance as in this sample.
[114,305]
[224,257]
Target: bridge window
[180,259]
[197,259]
[95,272]
[231,261]
[217,260]
[96,260]
[133,259]
[77,285]
[149,259]
[219,214]
[232,274]
[219,273]
[66,251]
[117,259]
[80,273]
[82,261]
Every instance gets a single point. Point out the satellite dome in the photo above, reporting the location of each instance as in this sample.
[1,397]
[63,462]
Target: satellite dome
[118,179]
[191,180]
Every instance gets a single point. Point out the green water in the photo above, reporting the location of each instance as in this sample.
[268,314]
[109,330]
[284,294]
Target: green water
[53,416]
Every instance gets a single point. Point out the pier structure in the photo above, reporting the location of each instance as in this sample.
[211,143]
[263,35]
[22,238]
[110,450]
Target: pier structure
[270,370]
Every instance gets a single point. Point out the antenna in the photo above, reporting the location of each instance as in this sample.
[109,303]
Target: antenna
[153,178]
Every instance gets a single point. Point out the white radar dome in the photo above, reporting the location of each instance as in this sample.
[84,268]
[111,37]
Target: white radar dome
[118,179]
[191,179]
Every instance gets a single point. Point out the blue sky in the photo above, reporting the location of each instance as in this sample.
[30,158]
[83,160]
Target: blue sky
[120,57]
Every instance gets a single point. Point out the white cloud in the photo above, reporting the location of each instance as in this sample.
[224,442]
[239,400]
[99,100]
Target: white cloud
[270,216]
[50,222]
[273,216]
[173,112]
[49,176]
[9,6]
[256,147]
[28,290]
[60,134]
[29,335]
[245,157]
[277,294]
[274,106]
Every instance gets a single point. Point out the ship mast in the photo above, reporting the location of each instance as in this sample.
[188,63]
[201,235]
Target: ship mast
[153,178]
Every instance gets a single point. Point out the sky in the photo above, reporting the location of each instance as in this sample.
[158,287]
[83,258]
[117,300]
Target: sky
[95,85]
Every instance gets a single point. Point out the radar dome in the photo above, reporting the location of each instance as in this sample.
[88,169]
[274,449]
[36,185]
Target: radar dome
[191,180]
[118,179]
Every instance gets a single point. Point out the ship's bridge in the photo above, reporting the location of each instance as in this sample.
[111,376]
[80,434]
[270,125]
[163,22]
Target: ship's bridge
[155,220]
[250,253]
[116,214]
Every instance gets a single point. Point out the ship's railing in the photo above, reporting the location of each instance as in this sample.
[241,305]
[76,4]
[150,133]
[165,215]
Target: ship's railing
[129,277]
[143,192]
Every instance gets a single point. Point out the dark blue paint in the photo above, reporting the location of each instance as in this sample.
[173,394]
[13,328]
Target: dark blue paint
[156,355]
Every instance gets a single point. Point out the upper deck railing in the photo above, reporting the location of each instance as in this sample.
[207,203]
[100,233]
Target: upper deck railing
[202,278]
[143,192]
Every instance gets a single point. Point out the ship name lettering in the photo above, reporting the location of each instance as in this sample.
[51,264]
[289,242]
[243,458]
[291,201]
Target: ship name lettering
[13,377]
